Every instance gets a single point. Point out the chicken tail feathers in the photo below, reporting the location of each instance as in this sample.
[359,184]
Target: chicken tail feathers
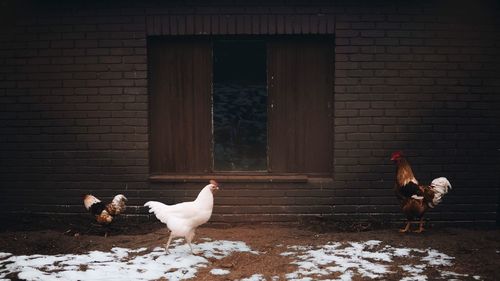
[117,206]
[97,208]
[159,209]
[440,186]
[89,201]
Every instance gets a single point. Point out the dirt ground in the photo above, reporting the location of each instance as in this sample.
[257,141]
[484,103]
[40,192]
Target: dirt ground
[476,251]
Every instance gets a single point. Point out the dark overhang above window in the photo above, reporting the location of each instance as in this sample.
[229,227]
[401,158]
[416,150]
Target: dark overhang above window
[227,24]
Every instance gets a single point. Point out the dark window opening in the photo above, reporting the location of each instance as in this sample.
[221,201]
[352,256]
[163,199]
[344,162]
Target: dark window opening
[240,105]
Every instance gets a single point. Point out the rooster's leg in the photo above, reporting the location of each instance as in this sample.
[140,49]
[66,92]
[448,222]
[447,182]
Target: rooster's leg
[406,228]
[420,226]
[168,243]
[106,230]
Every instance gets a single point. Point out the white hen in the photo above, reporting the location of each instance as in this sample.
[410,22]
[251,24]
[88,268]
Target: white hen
[182,219]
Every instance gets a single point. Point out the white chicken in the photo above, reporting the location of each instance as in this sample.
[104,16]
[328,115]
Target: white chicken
[182,219]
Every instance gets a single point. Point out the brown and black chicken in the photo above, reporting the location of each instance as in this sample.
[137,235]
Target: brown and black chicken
[104,213]
[416,199]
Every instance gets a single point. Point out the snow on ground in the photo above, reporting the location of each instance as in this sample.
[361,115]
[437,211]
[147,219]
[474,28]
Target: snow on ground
[120,263]
[259,277]
[255,277]
[333,261]
[370,259]
[219,271]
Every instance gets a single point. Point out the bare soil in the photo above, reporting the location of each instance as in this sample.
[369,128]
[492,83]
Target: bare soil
[476,251]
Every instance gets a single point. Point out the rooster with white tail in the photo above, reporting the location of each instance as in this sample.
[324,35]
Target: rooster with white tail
[182,219]
[416,199]
[104,213]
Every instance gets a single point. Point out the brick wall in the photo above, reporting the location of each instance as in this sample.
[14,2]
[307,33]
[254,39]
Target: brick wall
[422,77]
[74,105]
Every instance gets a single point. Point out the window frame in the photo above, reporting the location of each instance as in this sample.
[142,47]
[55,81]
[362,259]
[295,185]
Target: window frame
[246,176]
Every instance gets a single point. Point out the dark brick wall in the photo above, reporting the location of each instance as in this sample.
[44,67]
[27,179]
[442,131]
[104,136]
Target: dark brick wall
[421,77]
[74,105]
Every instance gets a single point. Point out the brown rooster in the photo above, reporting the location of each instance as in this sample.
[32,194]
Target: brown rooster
[416,199]
[104,213]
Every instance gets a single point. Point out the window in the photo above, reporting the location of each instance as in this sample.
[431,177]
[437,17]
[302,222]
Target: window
[240,105]
[233,105]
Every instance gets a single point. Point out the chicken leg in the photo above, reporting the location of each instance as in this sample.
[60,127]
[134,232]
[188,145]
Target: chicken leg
[168,243]
[420,226]
[189,237]
[406,228]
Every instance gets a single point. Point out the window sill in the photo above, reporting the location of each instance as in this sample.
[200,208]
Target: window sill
[239,177]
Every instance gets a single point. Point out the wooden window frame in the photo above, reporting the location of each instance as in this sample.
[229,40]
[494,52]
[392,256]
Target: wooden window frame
[248,176]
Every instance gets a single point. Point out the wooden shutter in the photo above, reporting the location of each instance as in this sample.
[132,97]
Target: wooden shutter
[180,106]
[300,78]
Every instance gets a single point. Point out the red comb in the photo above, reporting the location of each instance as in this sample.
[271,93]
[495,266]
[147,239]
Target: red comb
[395,155]
[214,182]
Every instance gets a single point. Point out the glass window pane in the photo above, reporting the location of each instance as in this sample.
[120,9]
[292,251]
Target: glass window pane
[240,105]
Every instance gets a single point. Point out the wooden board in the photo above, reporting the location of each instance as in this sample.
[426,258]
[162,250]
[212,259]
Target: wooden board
[300,81]
[180,105]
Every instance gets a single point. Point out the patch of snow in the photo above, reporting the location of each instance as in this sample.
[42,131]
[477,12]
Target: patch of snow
[414,269]
[299,248]
[369,259]
[402,252]
[415,272]
[222,248]
[219,271]
[372,243]
[120,263]
[255,277]
[341,259]
[449,274]
[415,278]
[143,249]
[333,261]
[436,258]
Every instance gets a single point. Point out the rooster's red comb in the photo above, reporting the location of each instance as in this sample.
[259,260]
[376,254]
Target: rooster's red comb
[214,182]
[396,154]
